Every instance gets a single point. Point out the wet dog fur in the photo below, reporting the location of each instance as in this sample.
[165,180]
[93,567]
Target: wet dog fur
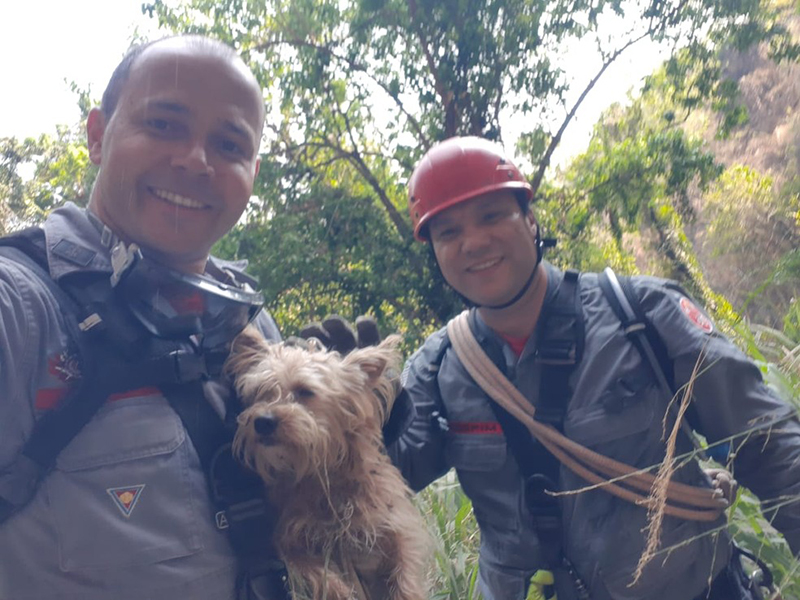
[311,428]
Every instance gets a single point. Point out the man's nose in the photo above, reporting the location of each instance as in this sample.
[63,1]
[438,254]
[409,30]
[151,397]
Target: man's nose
[193,158]
[474,238]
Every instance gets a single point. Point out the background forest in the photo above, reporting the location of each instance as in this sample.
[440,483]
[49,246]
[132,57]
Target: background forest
[694,178]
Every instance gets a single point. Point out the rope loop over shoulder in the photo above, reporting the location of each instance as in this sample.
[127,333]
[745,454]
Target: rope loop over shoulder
[617,478]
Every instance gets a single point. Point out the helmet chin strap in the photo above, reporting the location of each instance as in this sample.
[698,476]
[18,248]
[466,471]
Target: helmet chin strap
[541,244]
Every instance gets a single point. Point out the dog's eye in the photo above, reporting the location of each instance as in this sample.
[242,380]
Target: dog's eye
[302,393]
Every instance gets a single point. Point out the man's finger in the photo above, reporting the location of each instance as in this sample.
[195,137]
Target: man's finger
[368,332]
[316,330]
[340,333]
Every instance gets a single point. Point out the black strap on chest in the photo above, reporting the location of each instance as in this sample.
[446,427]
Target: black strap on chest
[559,348]
[114,356]
[106,368]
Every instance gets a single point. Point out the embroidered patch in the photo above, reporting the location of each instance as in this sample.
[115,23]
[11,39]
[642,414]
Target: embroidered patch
[65,366]
[126,497]
[696,316]
[475,427]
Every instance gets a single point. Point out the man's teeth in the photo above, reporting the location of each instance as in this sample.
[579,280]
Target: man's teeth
[177,199]
[484,265]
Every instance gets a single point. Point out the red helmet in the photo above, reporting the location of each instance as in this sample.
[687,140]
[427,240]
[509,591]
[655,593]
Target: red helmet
[456,170]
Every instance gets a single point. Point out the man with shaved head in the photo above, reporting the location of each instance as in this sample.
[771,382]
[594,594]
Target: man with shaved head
[127,313]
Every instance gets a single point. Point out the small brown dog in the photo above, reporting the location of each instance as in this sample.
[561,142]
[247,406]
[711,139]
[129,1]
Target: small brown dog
[311,428]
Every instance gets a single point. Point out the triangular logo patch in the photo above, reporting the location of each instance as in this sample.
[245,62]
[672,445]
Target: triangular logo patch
[126,497]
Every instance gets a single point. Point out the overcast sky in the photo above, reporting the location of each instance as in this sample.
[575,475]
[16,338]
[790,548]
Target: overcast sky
[45,42]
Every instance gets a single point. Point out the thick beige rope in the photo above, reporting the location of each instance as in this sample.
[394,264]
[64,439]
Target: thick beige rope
[619,479]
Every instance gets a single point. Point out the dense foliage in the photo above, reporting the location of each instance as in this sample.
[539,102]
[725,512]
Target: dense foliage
[357,90]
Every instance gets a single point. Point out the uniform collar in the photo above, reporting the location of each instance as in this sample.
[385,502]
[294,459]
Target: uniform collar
[554,278]
[74,239]
[73,243]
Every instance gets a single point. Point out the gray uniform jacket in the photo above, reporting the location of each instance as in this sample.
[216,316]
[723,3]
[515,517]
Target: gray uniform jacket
[616,409]
[125,513]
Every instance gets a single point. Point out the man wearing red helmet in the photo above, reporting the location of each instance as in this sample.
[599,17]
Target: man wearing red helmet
[557,338]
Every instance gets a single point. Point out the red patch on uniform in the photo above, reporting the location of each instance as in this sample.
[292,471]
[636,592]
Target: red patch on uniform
[142,392]
[696,316]
[48,398]
[475,428]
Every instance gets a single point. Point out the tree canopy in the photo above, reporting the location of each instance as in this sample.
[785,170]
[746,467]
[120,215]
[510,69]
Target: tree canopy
[358,90]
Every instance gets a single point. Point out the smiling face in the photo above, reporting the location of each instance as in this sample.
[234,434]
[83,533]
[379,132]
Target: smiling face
[485,247]
[179,154]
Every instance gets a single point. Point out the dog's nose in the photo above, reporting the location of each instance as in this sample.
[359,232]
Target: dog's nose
[265,424]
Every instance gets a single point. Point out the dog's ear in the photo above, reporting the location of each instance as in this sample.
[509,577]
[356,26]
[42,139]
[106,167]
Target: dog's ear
[375,360]
[247,349]
[381,364]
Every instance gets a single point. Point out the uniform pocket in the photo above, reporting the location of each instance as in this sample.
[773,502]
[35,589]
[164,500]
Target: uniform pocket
[681,568]
[476,452]
[487,477]
[616,418]
[120,493]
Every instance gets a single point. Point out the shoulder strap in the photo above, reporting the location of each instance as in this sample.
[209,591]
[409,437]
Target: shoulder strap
[559,349]
[625,303]
[560,346]
[614,477]
[53,431]
[637,327]
[237,492]
[560,341]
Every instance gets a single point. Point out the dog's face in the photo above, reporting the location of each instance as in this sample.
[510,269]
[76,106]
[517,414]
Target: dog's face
[307,412]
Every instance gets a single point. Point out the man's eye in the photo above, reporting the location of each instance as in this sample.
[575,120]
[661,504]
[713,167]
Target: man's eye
[230,147]
[446,234]
[159,124]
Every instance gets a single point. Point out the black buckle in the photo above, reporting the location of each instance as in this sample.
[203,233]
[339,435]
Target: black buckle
[557,353]
[268,581]
[537,499]
[189,366]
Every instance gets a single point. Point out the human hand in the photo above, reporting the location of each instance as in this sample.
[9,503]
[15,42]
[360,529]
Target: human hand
[335,333]
[723,482]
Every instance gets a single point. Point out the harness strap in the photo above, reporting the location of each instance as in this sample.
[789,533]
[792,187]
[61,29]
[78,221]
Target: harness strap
[54,430]
[619,293]
[106,337]
[619,479]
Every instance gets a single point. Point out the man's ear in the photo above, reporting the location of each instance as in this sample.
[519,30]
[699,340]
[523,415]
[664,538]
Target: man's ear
[258,166]
[532,222]
[95,129]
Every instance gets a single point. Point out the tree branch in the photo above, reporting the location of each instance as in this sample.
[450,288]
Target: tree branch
[556,139]
[356,67]
[446,96]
